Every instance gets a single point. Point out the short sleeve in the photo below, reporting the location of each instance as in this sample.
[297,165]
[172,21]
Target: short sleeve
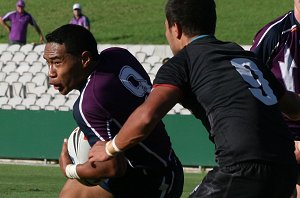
[174,72]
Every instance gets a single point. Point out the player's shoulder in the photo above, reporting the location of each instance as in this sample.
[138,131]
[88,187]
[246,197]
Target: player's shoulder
[278,25]
[114,50]
[116,54]
[8,14]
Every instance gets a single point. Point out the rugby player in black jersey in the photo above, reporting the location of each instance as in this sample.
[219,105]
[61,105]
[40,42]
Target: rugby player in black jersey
[237,100]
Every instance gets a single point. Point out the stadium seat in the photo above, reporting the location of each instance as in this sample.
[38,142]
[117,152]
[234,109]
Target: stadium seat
[6,107]
[172,112]
[26,48]
[4,89]
[43,100]
[147,66]
[71,100]
[49,108]
[148,49]
[140,56]
[185,112]
[39,49]
[12,77]
[14,101]
[42,60]
[26,77]
[133,49]
[3,99]
[34,107]
[153,59]
[64,108]
[6,56]
[155,68]
[58,100]
[13,48]
[23,66]
[36,67]
[18,57]
[27,102]
[40,79]
[9,67]
[2,75]
[31,57]
[38,90]
[160,50]
[177,108]
[20,107]
[52,91]
[17,89]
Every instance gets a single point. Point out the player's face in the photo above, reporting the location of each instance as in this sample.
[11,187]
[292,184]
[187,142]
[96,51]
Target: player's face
[20,9]
[171,36]
[65,70]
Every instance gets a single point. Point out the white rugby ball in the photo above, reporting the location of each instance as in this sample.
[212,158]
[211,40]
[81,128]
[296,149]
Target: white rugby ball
[78,148]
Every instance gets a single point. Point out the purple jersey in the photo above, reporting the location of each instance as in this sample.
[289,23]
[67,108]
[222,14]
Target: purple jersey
[112,92]
[19,23]
[82,21]
[277,44]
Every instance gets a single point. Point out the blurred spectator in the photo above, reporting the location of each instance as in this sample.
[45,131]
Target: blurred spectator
[19,20]
[79,18]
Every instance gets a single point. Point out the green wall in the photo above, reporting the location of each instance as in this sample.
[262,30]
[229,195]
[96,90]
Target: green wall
[39,135]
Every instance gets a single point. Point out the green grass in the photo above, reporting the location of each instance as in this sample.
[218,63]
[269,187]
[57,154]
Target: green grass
[46,181]
[141,22]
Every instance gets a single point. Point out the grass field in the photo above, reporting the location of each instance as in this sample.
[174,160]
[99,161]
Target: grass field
[141,22]
[24,181]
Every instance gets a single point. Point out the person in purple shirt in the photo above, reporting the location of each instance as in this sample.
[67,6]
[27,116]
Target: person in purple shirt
[277,45]
[79,18]
[19,20]
[112,85]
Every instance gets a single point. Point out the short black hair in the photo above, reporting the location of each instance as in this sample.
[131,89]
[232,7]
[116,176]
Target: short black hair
[76,39]
[195,17]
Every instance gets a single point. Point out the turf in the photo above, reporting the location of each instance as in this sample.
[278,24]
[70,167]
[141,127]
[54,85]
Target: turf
[29,181]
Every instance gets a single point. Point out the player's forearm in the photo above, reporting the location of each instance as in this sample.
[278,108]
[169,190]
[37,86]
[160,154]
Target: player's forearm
[112,168]
[138,126]
[145,118]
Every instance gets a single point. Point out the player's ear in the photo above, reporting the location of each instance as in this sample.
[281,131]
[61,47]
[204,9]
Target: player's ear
[86,58]
[177,30]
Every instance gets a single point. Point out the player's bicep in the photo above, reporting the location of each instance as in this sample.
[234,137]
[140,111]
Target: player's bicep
[162,98]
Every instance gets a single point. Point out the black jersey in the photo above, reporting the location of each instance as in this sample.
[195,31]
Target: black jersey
[224,86]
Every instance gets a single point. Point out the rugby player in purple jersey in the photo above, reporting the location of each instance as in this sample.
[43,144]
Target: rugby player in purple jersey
[19,20]
[236,99]
[79,18]
[277,45]
[112,85]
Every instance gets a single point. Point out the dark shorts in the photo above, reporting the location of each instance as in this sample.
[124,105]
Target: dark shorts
[249,180]
[11,42]
[148,183]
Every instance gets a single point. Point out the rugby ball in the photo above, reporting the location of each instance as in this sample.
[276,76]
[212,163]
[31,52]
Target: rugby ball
[78,148]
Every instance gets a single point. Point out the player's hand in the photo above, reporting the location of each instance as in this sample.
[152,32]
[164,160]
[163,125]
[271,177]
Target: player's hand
[64,158]
[98,153]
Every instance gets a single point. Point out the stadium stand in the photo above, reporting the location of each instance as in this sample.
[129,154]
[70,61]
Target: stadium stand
[24,82]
